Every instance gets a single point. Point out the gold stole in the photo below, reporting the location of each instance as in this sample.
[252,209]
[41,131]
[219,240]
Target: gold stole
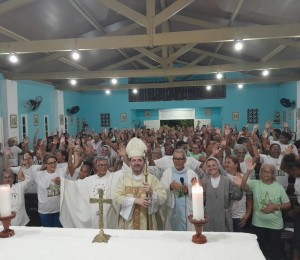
[137,193]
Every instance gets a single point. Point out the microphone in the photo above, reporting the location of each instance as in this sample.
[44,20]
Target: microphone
[182,180]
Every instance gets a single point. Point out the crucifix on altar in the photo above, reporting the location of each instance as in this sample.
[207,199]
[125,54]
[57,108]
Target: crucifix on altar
[101,237]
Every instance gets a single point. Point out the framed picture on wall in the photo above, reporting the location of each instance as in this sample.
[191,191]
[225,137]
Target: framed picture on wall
[207,111]
[235,116]
[35,120]
[123,117]
[13,121]
[147,113]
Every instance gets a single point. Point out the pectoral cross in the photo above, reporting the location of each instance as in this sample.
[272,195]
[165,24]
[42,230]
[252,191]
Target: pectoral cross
[101,237]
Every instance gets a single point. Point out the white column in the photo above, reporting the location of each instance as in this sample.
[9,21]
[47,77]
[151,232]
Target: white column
[297,125]
[58,108]
[9,106]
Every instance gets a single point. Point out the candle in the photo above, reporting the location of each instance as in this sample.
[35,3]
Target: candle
[198,206]
[5,205]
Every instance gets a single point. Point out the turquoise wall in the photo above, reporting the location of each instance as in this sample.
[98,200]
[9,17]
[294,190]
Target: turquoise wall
[264,97]
[72,99]
[30,90]
[287,90]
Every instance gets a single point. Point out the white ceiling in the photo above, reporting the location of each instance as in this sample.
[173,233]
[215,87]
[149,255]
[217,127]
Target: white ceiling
[144,39]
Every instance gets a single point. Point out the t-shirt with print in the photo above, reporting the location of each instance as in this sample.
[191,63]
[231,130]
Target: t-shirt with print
[264,194]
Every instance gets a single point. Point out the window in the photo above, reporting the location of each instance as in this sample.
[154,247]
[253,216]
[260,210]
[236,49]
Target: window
[24,125]
[66,124]
[46,125]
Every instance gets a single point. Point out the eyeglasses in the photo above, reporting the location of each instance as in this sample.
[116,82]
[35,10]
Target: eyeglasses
[102,165]
[51,163]
[264,171]
[178,159]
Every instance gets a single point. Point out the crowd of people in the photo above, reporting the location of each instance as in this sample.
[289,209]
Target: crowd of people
[149,174]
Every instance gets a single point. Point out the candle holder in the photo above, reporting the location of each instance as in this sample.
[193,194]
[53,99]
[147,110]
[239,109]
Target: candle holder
[7,232]
[198,238]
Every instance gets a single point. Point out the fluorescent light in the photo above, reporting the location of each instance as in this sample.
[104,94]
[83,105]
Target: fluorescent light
[265,73]
[219,75]
[135,91]
[114,81]
[238,45]
[107,92]
[75,55]
[240,85]
[208,87]
[13,58]
[73,82]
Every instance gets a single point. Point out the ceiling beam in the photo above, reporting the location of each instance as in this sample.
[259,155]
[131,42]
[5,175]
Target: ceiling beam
[196,70]
[211,25]
[168,38]
[95,24]
[123,62]
[230,22]
[150,54]
[125,11]
[217,55]
[276,79]
[180,52]
[170,11]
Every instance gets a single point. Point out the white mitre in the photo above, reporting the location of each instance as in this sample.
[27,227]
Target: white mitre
[136,147]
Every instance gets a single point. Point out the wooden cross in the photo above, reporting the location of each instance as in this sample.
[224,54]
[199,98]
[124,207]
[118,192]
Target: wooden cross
[101,201]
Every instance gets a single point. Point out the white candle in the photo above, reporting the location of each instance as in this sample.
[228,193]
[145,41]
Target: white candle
[198,206]
[5,205]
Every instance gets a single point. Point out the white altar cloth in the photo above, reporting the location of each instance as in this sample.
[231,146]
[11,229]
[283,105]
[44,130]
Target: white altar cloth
[37,243]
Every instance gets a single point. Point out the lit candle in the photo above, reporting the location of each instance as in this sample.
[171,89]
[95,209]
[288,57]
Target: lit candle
[198,206]
[5,206]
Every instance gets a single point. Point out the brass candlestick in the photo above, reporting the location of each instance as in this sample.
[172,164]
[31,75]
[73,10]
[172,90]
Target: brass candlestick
[198,238]
[7,232]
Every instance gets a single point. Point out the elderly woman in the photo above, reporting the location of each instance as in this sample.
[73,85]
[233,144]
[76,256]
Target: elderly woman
[219,191]
[269,199]
[17,198]
[48,190]
[275,158]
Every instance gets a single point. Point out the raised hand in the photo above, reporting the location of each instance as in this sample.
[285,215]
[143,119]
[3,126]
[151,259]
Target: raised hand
[249,164]
[62,139]
[268,125]
[264,134]
[288,150]
[238,179]
[122,150]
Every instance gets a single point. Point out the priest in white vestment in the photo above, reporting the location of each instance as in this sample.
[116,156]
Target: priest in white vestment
[132,189]
[177,181]
[76,211]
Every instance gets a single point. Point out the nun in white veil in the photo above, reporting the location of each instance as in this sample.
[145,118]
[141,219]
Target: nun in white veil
[219,190]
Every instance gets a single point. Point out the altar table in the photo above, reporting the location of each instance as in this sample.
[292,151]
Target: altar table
[38,243]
